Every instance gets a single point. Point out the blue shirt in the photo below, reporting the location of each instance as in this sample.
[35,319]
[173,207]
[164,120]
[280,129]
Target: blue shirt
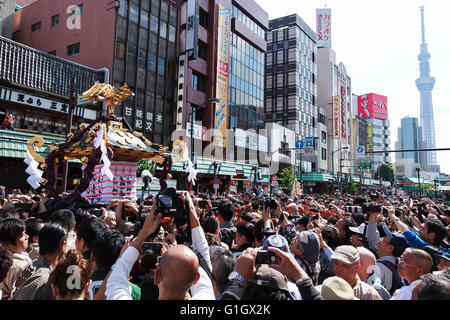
[414,239]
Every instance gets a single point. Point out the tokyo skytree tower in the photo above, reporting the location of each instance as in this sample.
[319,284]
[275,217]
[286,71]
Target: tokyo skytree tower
[425,85]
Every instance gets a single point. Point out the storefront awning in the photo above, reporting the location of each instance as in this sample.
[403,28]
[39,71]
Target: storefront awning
[13,144]
[316,176]
[228,168]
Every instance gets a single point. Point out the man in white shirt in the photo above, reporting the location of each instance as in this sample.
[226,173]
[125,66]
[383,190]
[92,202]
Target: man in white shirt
[411,266]
[178,270]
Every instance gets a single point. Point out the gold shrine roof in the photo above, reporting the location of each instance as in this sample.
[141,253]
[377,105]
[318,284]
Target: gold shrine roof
[126,145]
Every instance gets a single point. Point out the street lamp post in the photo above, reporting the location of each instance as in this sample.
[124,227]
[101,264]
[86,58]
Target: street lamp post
[418,181]
[195,108]
[332,160]
[435,187]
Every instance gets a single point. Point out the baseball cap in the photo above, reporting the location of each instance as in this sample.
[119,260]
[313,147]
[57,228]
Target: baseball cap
[335,288]
[276,241]
[291,205]
[311,246]
[444,255]
[346,254]
[271,278]
[359,230]
[399,242]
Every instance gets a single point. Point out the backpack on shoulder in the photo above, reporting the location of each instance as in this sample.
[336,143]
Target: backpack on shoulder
[397,281]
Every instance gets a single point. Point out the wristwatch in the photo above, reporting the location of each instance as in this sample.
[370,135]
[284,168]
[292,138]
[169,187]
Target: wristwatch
[236,276]
[301,280]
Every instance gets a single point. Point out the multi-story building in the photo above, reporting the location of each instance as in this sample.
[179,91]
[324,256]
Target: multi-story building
[373,108]
[291,83]
[35,88]
[334,95]
[410,138]
[136,40]
[229,37]
[7,8]
[359,137]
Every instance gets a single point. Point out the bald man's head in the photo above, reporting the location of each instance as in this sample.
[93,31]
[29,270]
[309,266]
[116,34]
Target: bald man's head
[178,269]
[367,260]
[422,259]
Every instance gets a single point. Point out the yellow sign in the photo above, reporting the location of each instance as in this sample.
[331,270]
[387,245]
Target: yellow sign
[246,184]
[223,61]
[369,137]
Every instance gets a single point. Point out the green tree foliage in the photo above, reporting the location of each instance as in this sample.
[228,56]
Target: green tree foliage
[387,171]
[286,180]
[145,165]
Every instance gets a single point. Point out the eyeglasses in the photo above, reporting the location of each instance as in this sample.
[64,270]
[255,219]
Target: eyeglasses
[403,263]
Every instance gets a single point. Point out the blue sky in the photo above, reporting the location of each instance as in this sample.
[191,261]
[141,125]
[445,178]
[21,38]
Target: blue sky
[379,43]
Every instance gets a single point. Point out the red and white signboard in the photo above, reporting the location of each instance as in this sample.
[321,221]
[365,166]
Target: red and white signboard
[199,131]
[323,28]
[372,106]
[343,113]
[336,118]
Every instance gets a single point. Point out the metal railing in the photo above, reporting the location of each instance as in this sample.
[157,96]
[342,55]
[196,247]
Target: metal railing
[28,67]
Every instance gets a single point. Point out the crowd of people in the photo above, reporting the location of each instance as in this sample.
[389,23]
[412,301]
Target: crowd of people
[225,247]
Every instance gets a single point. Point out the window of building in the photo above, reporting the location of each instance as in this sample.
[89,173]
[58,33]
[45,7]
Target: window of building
[203,19]
[163,29]
[324,136]
[132,50]
[172,34]
[142,58]
[161,66]
[53,53]
[153,23]
[202,50]
[144,19]
[55,20]
[123,8]
[73,49]
[36,26]
[198,82]
[152,62]
[134,13]
[120,49]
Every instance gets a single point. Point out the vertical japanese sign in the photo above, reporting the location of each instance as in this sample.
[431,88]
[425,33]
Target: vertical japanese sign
[180,92]
[223,56]
[336,118]
[192,17]
[343,113]
[369,137]
[323,28]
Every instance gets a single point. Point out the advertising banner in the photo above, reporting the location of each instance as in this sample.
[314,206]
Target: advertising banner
[323,28]
[369,137]
[372,106]
[336,118]
[180,96]
[199,131]
[343,113]
[223,56]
